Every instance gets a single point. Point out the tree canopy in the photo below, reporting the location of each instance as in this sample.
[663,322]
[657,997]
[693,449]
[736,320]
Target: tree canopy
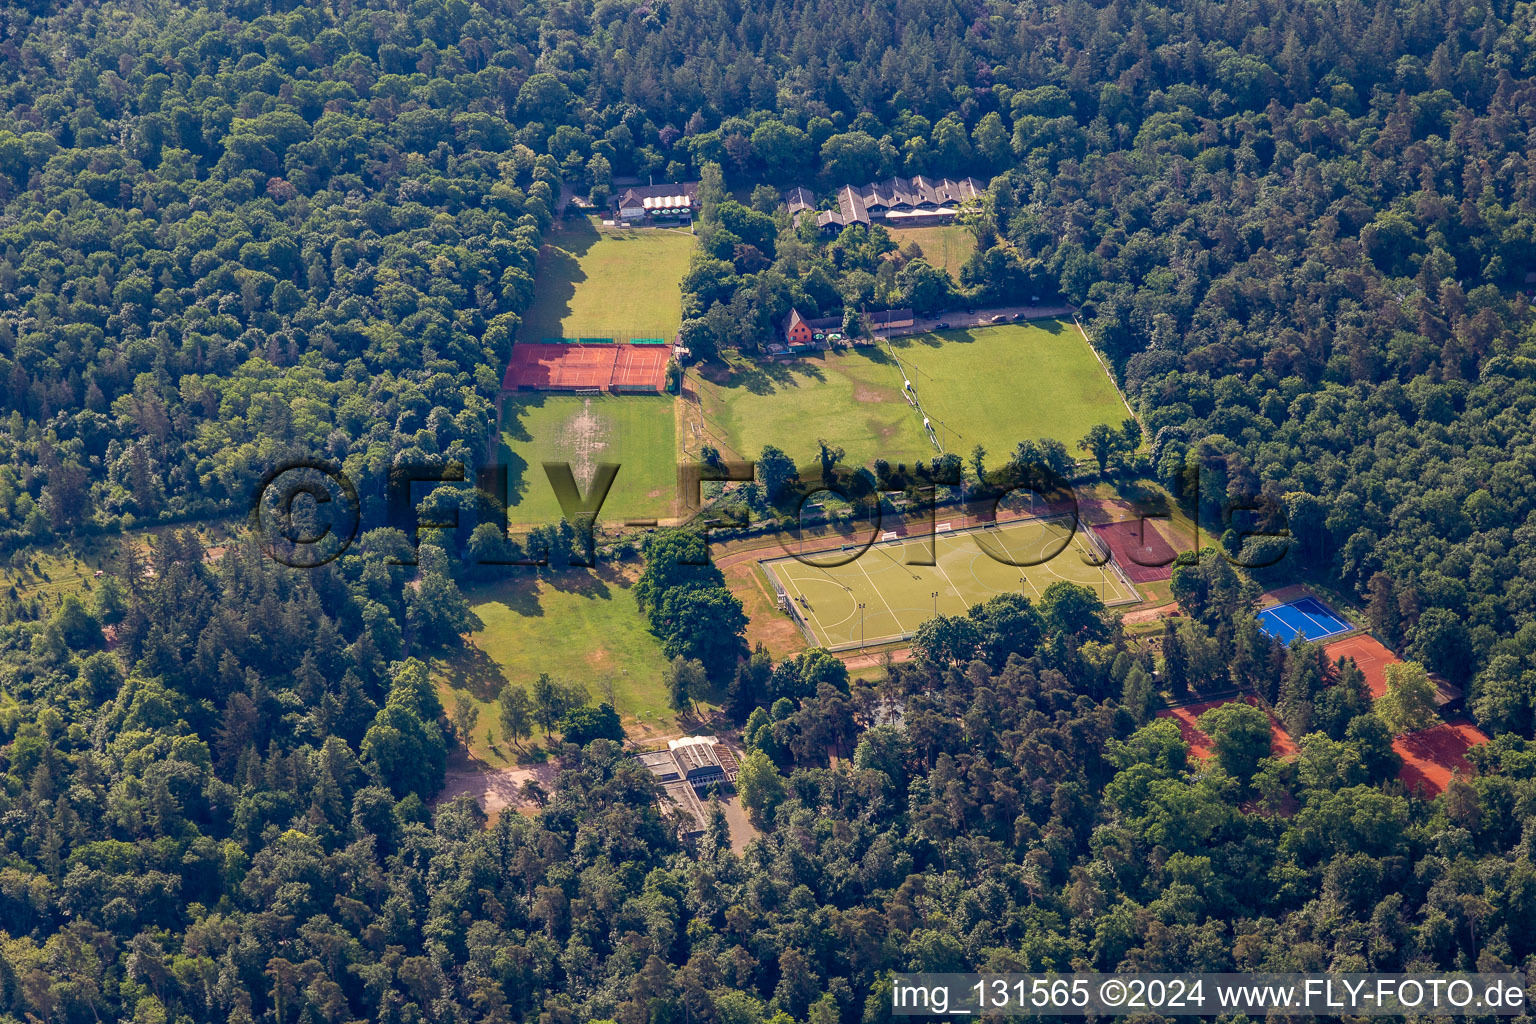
[238,233]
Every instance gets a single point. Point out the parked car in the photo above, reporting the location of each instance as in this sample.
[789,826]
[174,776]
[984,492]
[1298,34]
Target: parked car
[999,318]
[1017,316]
[942,325]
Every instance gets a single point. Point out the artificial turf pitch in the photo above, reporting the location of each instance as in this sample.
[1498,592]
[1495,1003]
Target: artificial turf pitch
[897,597]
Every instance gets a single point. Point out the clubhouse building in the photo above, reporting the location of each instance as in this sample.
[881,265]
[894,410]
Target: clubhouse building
[658,205]
[800,334]
[803,334]
[896,202]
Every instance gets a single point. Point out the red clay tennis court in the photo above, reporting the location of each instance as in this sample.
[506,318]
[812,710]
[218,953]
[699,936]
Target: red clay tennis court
[601,367]
[1139,548]
[1373,659]
[1370,655]
[1431,757]
[1280,744]
[640,366]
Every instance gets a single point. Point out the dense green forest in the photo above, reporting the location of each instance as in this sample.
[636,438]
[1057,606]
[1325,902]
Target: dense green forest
[234,827]
[245,231]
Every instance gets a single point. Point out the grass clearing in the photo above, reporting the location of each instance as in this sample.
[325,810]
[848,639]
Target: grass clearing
[945,246]
[614,283]
[639,432]
[577,625]
[44,574]
[996,386]
[49,573]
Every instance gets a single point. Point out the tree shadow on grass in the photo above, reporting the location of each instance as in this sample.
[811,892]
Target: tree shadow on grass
[584,582]
[758,378]
[962,337]
[576,236]
[612,574]
[519,477]
[517,589]
[1146,495]
[475,671]
[969,335]
[513,428]
[557,272]
[512,425]
[768,378]
[703,721]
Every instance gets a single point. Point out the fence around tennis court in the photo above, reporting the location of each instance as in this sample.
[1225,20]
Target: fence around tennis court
[584,364]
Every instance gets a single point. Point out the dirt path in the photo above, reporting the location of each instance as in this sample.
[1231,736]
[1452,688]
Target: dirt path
[959,319]
[857,660]
[694,431]
[1150,614]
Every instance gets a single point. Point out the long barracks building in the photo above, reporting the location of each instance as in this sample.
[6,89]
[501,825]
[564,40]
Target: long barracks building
[896,201]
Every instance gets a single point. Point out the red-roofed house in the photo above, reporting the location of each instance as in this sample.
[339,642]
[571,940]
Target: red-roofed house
[796,331]
[801,333]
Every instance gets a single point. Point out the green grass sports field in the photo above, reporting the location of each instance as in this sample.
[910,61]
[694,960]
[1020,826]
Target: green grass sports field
[996,386]
[577,626]
[851,398]
[639,432]
[969,567]
[993,386]
[608,284]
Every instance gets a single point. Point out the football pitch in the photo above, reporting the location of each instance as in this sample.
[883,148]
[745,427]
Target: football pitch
[879,597]
[996,386]
[636,431]
[993,386]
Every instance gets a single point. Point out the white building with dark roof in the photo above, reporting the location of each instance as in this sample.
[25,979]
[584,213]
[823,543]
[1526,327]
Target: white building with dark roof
[648,204]
[688,769]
